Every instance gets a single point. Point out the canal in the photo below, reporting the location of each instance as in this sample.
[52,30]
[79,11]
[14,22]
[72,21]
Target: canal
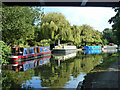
[54,71]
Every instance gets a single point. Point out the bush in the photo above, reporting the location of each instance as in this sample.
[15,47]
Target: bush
[4,52]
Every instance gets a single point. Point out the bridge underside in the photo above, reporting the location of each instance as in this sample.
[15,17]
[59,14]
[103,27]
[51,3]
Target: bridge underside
[79,3]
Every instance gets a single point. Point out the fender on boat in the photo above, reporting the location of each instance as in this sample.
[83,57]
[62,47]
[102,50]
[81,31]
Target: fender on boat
[13,56]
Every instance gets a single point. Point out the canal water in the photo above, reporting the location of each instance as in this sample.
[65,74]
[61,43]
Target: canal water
[54,71]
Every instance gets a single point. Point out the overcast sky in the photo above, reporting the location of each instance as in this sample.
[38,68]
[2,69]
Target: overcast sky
[97,17]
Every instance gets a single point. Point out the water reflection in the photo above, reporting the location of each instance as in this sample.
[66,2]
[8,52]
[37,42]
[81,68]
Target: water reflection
[29,64]
[46,72]
[64,57]
[92,51]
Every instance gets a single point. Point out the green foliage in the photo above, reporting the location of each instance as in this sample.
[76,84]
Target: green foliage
[19,28]
[109,36]
[76,31]
[54,26]
[17,24]
[105,42]
[89,35]
[4,52]
[45,42]
[116,23]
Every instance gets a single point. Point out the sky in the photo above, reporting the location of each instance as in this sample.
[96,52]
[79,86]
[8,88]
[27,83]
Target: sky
[97,17]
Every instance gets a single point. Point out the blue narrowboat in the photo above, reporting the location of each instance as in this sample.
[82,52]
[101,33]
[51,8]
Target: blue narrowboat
[92,47]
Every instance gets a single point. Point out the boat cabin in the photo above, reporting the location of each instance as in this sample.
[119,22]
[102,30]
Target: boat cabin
[19,51]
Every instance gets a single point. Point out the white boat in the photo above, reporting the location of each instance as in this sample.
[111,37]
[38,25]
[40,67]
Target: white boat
[62,49]
[110,51]
[110,47]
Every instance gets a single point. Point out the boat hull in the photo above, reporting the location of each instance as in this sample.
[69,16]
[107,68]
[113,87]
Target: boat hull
[14,59]
[110,47]
[64,51]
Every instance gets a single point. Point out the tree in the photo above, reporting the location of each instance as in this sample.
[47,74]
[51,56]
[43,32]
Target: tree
[76,31]
[54,26]
[116,23]
[109,35]
[5,51]
[17,24]
[89,35]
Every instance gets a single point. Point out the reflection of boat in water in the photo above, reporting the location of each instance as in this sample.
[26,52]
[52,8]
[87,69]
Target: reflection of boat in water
[64,57]
[110,50]
[23,66]
[92,51]
[64,49]
[118,47]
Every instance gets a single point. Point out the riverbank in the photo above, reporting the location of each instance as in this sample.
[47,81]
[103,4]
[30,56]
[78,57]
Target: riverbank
[103,76]
[106,63]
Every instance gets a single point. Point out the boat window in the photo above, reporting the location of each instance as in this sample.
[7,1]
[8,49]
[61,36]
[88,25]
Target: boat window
[28,51]
[25,52]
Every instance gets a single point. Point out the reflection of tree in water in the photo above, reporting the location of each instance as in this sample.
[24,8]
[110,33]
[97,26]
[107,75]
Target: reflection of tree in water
[15,79]
[56,76]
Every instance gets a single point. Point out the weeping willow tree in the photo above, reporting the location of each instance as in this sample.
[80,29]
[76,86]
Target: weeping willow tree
[54,26]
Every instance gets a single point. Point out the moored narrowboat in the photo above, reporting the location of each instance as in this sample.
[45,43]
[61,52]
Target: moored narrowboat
[110,51]
[110,47]
[92,47]
[64,49]
[27,53]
